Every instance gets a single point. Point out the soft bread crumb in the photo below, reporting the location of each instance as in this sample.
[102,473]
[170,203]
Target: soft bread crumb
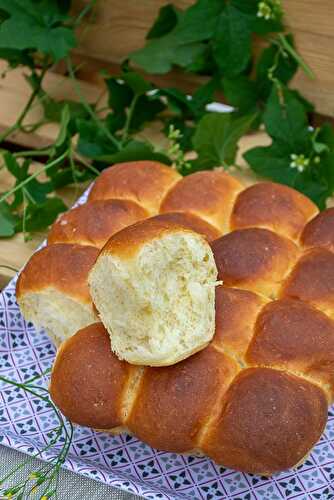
[58,315]
[158,304]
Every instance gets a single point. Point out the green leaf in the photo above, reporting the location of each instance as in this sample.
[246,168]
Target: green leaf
[146,110]
[136,83]
[272,57]
[93,141]
[241,93]
[232,42]
[16,57]
[134,151]
[273,163]
[38,191]
[36,26]
[41,216]
[326,136]
[8,220]
[317,182]
[260,26]
[53,109]
[119,95]
[12,166]
[216,138]
[178,101]
[203,96]
[197,24]
[286,121]
[164,23]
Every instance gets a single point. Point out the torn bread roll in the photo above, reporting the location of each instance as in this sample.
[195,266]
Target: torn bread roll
[52,289]
[154,287]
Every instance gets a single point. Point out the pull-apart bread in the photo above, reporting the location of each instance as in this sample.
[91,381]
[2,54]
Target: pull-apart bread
[254,394]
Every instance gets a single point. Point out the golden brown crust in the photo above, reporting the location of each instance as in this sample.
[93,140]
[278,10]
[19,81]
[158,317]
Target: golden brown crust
[255,259]
[312,280]
[273,206]
[269,421]
[145,182]
[127,242]
[167,414]
[292,335]
[62,267]
[210,195]
[191,221]
[88,380]
[94,222]
[319,232]
[236,313]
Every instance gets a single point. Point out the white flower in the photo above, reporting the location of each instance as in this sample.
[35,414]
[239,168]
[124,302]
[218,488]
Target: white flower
[299,162]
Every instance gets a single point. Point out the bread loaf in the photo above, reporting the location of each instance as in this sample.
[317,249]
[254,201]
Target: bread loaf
[256,397]
[256,419]
[154,287]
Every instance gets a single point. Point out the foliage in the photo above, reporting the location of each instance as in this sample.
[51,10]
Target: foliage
[91,138]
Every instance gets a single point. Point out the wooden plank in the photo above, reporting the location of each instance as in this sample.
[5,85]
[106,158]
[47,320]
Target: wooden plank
[119,27]
[14,93]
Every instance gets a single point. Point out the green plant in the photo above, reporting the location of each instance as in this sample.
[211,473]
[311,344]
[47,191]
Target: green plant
[43,482]
[91,138]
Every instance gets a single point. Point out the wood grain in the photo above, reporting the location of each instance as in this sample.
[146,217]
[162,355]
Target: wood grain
[119,27]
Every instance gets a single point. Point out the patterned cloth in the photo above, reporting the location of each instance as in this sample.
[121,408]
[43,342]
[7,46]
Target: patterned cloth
[124,461]
[72,486]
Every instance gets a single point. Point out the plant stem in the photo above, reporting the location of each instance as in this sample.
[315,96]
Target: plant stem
[33,176]
[26,108]
[305,67]
[86,164]
[129,115]
[84,11]
[33,152]
[88,108]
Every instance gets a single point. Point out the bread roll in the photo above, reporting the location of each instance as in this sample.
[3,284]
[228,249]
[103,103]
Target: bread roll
[191,221]
[145,182]
[52,289]
[273,206]
[209,195]
[254,419]
[154,287]
[93,223]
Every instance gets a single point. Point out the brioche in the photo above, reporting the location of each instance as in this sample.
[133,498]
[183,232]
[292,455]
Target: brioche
[153,285]
[255,419]
[255,396]
[52,289]
[93,223]
[209,195]
[145,182]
